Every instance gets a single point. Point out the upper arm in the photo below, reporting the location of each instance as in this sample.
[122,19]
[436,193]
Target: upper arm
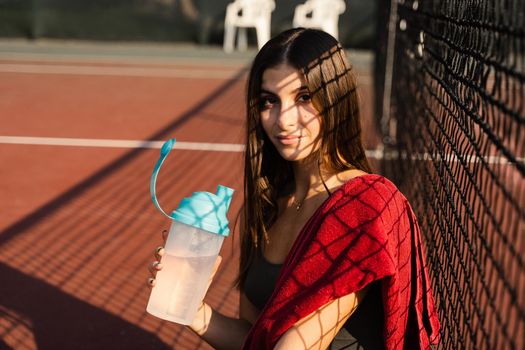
[318,329]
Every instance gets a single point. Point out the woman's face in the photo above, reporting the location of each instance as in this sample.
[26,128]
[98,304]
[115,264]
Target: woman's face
[287,114]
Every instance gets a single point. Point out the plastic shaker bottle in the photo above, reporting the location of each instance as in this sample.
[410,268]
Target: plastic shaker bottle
[198,228]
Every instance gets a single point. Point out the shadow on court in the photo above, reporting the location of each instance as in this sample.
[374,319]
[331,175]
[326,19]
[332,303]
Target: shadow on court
[60,321]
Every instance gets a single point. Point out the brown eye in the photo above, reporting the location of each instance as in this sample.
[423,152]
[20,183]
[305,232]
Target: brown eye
[304,98]
[266,102]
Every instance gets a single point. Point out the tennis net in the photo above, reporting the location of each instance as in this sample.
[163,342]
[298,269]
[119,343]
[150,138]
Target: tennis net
[451,76]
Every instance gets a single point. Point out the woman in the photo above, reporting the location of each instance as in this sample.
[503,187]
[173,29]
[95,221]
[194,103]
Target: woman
[330,253]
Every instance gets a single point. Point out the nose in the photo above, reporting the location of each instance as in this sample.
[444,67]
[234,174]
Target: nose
[287,116]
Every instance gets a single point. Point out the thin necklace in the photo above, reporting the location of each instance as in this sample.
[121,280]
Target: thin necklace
[297,204]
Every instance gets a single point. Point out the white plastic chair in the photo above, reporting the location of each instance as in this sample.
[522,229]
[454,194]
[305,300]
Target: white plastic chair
[320,14]
[244,14]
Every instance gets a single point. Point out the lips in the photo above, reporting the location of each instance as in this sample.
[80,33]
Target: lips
[288,139]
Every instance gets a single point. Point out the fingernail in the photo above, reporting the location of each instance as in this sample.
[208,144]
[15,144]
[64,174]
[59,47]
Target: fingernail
[159,249]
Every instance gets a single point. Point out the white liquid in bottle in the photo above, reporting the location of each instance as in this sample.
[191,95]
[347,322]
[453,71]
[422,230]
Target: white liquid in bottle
[177,298]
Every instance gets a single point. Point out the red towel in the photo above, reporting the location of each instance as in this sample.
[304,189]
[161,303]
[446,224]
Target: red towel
[365,231]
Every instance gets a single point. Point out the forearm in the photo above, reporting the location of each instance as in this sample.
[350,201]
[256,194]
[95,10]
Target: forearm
[221,332]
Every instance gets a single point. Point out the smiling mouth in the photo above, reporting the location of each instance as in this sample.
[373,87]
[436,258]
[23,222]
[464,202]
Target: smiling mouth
[289,139]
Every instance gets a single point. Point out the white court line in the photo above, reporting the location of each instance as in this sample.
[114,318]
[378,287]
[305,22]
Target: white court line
[450,157]
[204,60]
[59,141]
[194,146]
[378,153]
[118,71]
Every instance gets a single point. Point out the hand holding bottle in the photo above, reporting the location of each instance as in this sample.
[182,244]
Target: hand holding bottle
[156,266]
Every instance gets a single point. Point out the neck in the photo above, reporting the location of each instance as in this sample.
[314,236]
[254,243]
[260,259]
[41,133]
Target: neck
[308,181]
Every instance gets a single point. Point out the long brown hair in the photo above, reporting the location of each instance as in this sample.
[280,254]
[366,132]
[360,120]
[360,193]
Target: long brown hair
[327,72]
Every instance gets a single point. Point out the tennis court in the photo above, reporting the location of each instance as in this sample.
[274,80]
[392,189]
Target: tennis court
[81,124]
[80,131]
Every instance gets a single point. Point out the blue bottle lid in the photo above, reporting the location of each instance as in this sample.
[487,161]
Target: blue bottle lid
[203,210]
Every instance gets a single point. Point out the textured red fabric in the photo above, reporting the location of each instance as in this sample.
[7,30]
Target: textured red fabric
[365,231]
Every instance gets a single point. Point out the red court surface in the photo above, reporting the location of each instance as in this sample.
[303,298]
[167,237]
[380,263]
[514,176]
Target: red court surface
[78,227]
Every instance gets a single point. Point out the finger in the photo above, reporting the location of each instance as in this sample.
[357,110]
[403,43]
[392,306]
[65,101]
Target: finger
[165,235]
[151,282]
[159,252]
[154,267]
[217,264]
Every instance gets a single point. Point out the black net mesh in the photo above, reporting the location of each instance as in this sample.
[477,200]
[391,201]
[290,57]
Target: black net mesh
[456,119]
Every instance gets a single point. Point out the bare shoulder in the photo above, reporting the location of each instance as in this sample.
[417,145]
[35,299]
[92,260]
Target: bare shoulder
[349,174]
[344,177]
